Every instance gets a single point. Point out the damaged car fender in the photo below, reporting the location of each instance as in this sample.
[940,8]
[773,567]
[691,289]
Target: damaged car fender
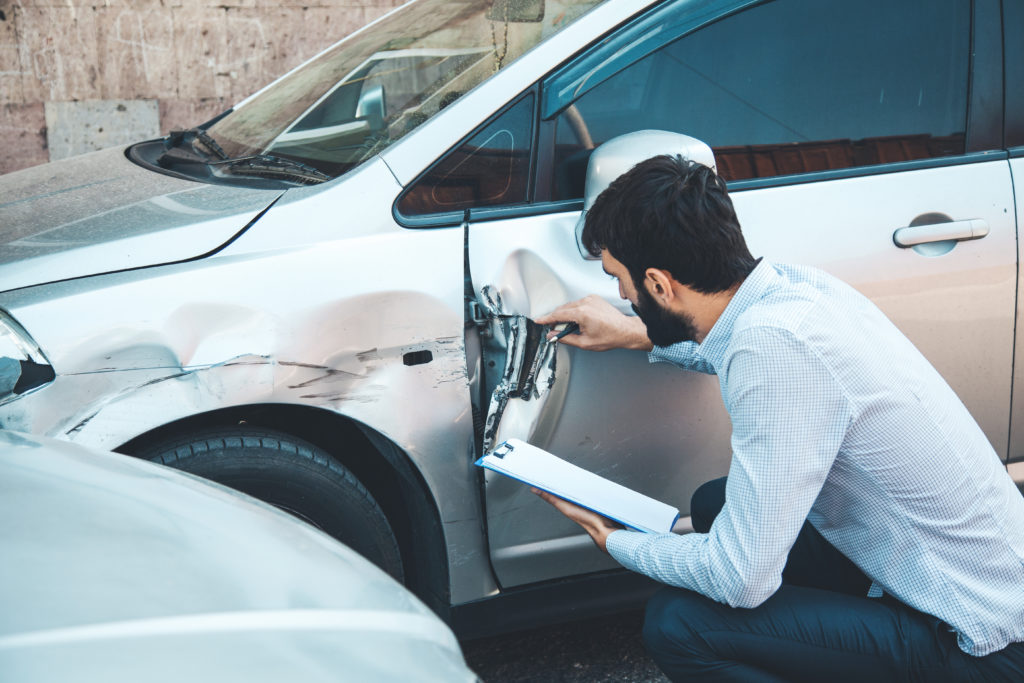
[323,326]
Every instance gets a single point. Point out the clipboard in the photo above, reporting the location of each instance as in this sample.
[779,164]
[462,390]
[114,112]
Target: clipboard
[537,467]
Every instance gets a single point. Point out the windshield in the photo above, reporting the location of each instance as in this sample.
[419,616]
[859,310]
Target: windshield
[378,85]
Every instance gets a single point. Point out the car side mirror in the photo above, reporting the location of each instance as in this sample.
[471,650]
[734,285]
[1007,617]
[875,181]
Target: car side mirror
[622,153]
[371,107]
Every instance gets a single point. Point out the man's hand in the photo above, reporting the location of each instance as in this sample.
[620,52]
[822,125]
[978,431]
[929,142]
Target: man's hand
[602,326]
[594,524]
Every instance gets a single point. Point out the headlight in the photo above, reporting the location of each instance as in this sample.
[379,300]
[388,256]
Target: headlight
[23,367]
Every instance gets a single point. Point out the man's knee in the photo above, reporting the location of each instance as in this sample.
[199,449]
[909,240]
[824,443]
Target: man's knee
[655,628]
[673,622]
[706,503]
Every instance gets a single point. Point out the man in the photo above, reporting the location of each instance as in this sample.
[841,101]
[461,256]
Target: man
[867,529]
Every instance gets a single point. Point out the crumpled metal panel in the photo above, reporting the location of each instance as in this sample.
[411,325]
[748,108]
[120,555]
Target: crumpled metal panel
[519,400]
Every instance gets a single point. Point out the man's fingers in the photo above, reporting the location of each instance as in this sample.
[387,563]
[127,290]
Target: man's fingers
[562,314]
[570,312]
[559,503]
[578,514]
[601,326]
[596,526]
[577,340]
[545,495]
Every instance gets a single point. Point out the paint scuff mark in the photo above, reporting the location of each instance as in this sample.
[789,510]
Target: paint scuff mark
[330,376]
[294,364]
[368,355]
[97,408]
[158,380]
[81,425]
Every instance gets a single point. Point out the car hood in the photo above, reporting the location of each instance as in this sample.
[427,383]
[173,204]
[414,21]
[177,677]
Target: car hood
[100,212]
[113,564]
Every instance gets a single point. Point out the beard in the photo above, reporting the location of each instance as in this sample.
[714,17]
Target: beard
[664,327]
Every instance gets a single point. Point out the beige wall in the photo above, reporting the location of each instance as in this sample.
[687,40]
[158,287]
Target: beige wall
[77,75]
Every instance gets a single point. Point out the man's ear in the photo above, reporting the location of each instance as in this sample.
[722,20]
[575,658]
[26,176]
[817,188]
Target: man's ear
[659,284]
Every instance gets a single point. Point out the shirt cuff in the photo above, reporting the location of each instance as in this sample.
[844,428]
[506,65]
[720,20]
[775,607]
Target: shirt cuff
[658,355]
[683,354]
[622,545]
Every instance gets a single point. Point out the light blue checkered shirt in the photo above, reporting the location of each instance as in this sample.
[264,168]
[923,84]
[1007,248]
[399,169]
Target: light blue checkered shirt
[839,420]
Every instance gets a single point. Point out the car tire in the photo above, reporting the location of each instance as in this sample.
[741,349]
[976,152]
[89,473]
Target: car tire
[293,475]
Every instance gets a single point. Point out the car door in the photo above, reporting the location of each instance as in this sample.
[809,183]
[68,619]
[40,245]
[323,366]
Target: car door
[854,139]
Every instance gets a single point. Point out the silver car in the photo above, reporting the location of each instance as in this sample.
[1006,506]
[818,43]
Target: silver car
[118,570]
[325,296]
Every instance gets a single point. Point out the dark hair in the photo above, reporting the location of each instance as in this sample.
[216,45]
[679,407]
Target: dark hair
[674,214]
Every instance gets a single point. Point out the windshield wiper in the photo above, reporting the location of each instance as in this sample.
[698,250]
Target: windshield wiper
[271,167]
[195,140]
[197,147]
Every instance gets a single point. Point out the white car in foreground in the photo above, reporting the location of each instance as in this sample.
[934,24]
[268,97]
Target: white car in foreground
[116,569]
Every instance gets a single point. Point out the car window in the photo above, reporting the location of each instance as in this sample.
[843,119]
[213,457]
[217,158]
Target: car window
[789,87]
[384,81]
[491,168]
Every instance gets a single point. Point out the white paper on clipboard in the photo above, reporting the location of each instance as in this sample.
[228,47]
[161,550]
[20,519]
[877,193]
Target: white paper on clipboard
[537,467]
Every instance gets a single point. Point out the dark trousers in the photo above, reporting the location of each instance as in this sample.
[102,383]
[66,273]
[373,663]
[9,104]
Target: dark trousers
[819,626]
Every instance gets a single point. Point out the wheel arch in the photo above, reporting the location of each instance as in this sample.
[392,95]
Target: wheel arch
[374,459]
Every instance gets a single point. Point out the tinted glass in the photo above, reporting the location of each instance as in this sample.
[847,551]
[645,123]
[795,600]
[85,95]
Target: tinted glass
[492,168]
[792,86]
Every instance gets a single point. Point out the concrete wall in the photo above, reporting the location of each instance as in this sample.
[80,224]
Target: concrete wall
[79,75]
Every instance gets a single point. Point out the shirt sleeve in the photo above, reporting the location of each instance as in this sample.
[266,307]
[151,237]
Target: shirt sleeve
[789,417]
[684,355]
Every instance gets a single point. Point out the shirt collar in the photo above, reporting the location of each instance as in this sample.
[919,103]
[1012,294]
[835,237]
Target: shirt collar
[716,343]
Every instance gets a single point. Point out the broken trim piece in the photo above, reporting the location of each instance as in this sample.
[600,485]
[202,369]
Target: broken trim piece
[529,374]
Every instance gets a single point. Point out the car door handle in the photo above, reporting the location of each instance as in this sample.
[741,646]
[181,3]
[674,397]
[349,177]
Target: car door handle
[972,229]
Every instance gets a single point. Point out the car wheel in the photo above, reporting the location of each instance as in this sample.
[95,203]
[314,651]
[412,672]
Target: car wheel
[293,475]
